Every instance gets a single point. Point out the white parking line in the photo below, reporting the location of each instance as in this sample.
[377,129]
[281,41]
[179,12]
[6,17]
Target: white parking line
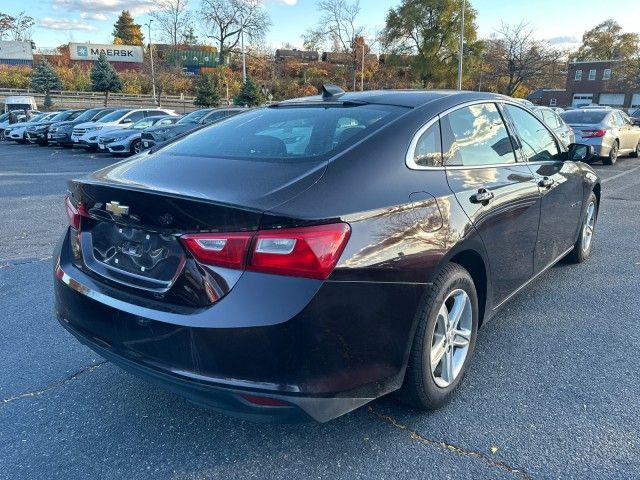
[620,174]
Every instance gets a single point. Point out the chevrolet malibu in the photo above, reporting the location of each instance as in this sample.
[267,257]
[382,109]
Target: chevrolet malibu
[300,260]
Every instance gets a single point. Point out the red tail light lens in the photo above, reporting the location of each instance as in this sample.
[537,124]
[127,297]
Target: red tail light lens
[310,252]
[302,252]
[223,250]
[74,212]
[593,133]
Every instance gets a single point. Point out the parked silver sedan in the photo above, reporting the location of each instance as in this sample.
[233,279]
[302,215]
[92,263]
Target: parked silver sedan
[127,140]
[556,123]
[610,131]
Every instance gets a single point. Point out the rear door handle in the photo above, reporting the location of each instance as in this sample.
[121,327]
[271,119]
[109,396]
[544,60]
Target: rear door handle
[483,196]
[546,182]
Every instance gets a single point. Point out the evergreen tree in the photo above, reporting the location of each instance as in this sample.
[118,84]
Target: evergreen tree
[207,92]
[190,37]
[44,80]
[126,31]
[249,94]
[104,78]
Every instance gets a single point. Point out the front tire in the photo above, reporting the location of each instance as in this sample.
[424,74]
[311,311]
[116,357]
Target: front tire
[136,147]
[582,248]
[444,341]
[636,152]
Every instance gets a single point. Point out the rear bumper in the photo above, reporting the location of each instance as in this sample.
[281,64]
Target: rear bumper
[325,348]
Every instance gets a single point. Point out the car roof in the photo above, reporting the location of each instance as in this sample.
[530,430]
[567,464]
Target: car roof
[402,98]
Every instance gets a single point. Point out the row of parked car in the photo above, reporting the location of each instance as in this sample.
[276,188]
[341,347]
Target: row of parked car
[610,131]
[119,131]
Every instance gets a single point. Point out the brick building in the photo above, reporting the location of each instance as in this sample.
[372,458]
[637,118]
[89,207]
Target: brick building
[592,82]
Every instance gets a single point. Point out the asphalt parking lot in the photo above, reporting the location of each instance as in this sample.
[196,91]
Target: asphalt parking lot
[553,392]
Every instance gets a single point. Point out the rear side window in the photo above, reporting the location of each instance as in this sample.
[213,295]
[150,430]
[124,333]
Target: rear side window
[476,136]
[286,133]
[428,152]
[538,144]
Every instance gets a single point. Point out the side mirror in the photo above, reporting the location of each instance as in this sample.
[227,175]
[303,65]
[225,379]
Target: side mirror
[579,152]
[127,120]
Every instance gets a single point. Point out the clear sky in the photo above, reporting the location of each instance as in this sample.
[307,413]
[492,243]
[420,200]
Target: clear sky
[561,21]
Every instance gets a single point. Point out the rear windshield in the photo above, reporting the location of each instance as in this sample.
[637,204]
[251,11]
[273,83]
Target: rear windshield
[286,133]
[113,116]
[194,117]
[587,117]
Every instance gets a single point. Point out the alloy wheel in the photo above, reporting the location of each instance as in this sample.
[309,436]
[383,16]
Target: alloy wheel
[589,225]
[613,154]
[137,147]
[451,338]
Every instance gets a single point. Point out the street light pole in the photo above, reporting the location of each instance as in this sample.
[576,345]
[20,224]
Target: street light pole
[244,62]
[153,73]
[464,4]
[362,75]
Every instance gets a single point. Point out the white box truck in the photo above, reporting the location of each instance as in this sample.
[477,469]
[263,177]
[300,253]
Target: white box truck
[19,102]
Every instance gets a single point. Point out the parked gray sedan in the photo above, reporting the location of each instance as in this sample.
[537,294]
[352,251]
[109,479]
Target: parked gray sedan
[610,131]
[127,141]
[556,123]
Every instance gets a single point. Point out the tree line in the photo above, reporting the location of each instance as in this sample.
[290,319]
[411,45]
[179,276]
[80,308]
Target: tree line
[423,33]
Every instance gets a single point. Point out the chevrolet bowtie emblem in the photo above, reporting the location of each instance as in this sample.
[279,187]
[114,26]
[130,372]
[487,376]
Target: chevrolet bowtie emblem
[117,209]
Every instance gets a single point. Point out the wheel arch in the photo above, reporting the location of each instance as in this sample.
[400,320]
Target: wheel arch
[473,262]
[597,190]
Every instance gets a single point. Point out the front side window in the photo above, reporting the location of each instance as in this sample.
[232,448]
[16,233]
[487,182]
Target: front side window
[428,152]
[538,144]
[578,75]
[592,74]
[135,116]
[476,136]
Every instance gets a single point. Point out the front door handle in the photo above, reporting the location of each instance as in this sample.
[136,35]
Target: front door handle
[546,182]
[483,196]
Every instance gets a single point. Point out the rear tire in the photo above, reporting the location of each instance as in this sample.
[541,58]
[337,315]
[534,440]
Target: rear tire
[613,154]
[443,346]
[582,248]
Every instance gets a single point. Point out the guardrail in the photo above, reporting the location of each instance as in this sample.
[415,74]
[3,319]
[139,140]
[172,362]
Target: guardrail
[76,99]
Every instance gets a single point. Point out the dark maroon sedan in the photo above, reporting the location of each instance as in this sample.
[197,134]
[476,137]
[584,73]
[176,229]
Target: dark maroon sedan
[297,261]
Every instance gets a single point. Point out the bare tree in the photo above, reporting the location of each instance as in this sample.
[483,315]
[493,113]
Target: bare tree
[338,29]
[6,24]
[174,20]
[22,27]
[18,27]
[225,17]
[515,58]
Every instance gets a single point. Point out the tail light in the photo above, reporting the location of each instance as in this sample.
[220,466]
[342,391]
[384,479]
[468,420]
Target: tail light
[310,252]
[228,250]
[74,212]
[593,133]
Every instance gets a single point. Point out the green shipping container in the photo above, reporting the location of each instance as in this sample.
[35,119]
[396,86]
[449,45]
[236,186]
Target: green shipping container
[193,58]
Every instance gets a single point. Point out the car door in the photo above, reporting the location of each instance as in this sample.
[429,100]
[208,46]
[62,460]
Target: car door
[498,193]
[629,133]
[559,181]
